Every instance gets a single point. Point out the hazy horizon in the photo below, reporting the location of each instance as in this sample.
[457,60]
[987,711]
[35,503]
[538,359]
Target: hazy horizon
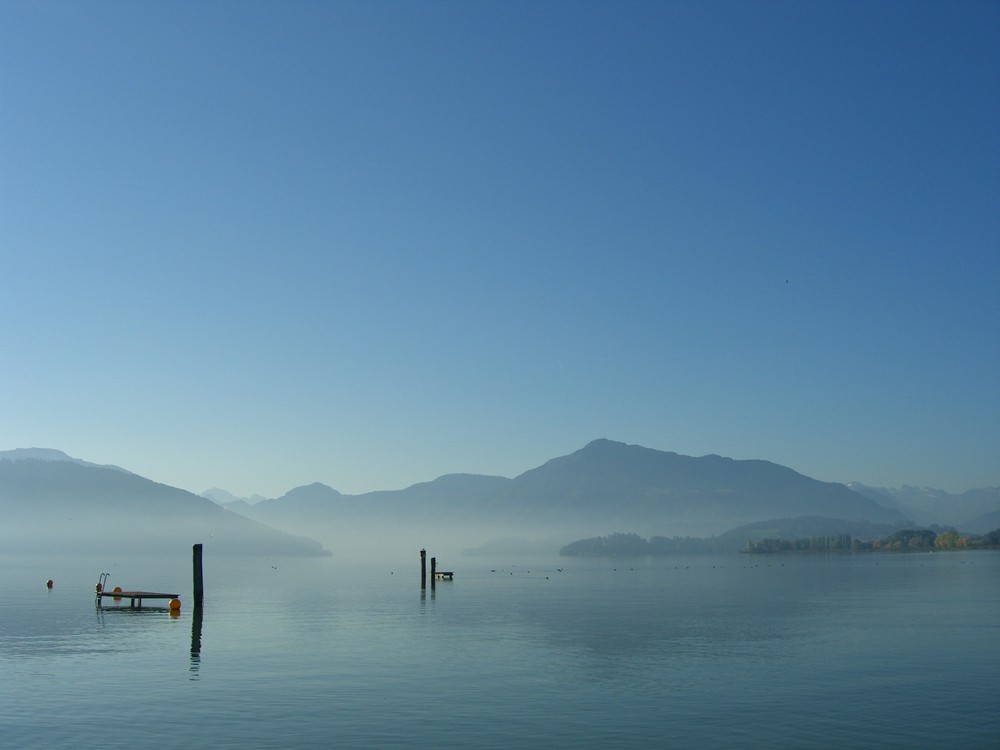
[254,246]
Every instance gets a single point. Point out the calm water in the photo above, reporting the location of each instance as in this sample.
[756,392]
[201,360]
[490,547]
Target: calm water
[863,651]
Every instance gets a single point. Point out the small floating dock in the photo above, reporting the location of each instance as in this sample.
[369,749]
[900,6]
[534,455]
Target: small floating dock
[135,597]
[444,575]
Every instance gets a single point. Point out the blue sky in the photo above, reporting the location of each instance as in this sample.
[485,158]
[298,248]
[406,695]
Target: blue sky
[257,245]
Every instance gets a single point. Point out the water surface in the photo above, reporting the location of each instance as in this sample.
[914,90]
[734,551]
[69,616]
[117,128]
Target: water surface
[794,651]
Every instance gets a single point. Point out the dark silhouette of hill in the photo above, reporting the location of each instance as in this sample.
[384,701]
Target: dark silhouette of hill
[658,488]
[605,485]
[982,524]
[311,496]
[71,505]
[733,541]
[790,529]
[458,494]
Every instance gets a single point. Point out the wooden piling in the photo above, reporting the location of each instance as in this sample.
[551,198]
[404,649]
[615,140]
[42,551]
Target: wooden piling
[423,568]
[199,585]
[434,565]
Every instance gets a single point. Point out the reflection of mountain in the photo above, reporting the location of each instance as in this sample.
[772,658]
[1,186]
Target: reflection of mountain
[973,511]
[605,485]
[70,505]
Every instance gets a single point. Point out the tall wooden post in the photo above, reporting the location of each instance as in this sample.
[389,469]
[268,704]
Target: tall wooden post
[199,585]
[434,567]
[423,568]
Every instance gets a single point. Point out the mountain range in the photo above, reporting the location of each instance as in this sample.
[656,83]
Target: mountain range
[50,501]
[975,511]
[604,487]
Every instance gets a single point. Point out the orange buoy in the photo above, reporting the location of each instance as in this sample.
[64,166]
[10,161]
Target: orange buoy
[48,584]
[116,590]
[175,605]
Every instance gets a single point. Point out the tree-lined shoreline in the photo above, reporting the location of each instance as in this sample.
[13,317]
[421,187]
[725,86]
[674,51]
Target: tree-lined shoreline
[904,540]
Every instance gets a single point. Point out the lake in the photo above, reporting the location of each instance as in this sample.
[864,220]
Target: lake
[803,651]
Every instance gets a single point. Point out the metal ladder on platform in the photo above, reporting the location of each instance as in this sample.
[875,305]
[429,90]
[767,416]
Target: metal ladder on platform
[102,583]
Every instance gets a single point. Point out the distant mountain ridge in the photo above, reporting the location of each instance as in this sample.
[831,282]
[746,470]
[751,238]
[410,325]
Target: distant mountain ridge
[71,505]
[604,485]
[50,454]
[226,499]
[974,510]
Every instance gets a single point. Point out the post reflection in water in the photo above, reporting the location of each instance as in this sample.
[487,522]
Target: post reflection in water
[196,621]
[423,598]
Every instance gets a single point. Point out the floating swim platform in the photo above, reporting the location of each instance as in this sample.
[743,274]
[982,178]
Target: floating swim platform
[135,597]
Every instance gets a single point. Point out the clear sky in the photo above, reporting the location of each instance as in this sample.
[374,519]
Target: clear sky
[256,245]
